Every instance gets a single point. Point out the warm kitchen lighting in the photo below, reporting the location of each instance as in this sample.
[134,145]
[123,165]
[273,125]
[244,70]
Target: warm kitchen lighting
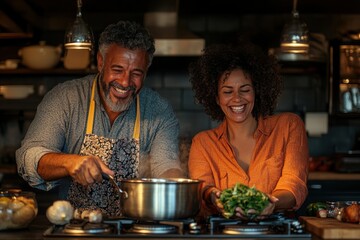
[79,35]
[295,35]
[79,43]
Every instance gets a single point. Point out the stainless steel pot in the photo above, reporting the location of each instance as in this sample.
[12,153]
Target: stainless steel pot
[160,199]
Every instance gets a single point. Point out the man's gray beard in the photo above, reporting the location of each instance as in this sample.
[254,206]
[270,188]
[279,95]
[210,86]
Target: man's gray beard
[121,105]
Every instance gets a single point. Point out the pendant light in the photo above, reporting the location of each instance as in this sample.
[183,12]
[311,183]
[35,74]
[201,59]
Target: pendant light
[79,35]
[79,43]
[295,34]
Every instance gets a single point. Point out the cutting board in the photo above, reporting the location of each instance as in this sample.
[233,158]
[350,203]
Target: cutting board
[330,228]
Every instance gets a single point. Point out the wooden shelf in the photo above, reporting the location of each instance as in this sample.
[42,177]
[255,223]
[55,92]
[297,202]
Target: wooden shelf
[53,71]
[8,169]
[15,35]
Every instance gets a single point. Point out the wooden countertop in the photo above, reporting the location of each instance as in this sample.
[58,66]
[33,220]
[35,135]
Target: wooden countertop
[333,176]
[330,228]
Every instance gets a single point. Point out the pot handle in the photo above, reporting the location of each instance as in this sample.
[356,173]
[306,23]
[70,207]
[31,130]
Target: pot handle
[112,181]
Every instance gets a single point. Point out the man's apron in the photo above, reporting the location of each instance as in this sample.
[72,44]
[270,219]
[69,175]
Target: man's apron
[120,155]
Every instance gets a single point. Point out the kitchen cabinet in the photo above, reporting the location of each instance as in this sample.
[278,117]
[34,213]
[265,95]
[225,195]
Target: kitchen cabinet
[345,78]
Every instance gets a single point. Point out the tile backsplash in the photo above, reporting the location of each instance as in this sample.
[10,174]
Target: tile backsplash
[302,93]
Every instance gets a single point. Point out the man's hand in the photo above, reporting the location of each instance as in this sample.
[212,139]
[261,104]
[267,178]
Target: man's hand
[82,169]
[87,169]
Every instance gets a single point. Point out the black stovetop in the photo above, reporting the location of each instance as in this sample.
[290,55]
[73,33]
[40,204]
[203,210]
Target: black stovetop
[214,228]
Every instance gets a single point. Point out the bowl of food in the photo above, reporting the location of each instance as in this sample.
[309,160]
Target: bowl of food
[17,208]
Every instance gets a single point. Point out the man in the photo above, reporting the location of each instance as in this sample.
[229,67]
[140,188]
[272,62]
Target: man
[108,123]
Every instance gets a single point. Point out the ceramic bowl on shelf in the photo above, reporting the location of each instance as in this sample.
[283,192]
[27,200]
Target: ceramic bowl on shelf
[9,64]
[40,56]
[16,91]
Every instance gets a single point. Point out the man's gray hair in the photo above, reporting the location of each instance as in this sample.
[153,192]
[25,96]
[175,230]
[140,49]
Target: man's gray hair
[127,34]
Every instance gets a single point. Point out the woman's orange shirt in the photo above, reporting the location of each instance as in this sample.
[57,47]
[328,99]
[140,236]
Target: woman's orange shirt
[280,158]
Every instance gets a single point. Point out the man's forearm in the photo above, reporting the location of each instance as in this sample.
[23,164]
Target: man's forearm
[52,166]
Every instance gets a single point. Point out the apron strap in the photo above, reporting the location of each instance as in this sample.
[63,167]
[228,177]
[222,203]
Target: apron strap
[90,119]
[136,134]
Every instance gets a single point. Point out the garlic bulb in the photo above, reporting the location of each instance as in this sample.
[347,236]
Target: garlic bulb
[60,212]
[95,216]
[77,214]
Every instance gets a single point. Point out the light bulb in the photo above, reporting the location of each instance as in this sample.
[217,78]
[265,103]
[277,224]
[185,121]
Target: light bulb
[295,35]
[79,34]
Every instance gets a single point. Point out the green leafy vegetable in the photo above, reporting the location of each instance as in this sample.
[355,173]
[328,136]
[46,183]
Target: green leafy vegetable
[244,197]
[314,207]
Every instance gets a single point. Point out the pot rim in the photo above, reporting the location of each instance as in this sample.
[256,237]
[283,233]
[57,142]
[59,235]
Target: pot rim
[162,180]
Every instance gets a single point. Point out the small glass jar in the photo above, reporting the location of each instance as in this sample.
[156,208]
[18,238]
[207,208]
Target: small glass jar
[17,208]
[334,208]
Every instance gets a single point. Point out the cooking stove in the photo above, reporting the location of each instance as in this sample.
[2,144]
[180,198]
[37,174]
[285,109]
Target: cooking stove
[275,227]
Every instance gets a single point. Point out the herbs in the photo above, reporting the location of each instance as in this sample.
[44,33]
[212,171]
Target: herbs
[244,197]
[313,208]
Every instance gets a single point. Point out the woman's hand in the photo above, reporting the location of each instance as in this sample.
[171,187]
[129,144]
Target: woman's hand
[268,210]
[240,213]
[215,200]
[271,207]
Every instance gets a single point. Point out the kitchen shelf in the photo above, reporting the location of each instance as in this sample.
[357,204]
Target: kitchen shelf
[40,79]
[8,169]
[16,35]
[52,71]
[25,104]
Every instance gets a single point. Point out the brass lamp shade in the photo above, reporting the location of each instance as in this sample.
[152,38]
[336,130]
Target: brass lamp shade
[79,35]
[295,35]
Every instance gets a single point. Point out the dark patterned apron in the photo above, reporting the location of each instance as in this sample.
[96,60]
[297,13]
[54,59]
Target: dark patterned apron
[120,155]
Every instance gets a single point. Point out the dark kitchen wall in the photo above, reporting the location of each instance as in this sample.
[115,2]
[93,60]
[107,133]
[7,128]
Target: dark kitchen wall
[305,91]
[225,21]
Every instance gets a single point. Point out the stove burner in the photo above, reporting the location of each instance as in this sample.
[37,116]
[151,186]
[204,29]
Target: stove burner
[84,227]
[153,228]
[247,229]
[215,228]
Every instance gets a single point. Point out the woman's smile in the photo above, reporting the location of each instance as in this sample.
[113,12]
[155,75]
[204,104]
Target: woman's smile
[237,109]
[236,95]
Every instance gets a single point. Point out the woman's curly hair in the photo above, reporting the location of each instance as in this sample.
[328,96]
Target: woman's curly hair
[216,59]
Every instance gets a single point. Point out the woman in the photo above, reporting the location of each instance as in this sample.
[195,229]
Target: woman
[239,86]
